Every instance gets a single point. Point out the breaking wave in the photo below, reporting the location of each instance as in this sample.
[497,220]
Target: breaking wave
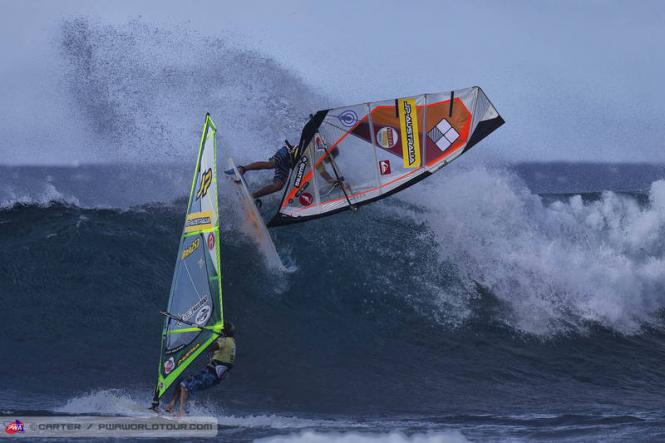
[558,265]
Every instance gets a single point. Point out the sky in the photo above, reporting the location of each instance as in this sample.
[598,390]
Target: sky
[575,81]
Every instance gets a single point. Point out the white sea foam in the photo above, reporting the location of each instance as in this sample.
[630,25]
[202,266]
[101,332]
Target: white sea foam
[357,437]
[283,422]
[557,266]
[105,401]
[122,402]
[43,194]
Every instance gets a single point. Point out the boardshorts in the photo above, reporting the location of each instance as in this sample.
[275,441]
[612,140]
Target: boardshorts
[205,379]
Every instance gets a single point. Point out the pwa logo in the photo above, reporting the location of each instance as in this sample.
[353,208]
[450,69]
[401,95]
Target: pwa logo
[14,427]
[206,181]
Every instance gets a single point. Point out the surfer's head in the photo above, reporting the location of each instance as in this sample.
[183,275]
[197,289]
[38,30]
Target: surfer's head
[229,329]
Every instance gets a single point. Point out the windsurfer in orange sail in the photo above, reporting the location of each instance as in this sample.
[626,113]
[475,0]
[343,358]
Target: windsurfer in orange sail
[282,162]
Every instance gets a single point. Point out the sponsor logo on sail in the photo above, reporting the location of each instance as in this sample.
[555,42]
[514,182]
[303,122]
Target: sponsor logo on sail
[300,172]
[174,350]
[203,301]
[14,427]
[348,118]
[203,315]
[384,167]
[306,199]
[408,121]
[386,137]
[169,365]
[301,190]
[211,240]
[190,249]
[190,352]
[206,181]
[443,134]
[197,221]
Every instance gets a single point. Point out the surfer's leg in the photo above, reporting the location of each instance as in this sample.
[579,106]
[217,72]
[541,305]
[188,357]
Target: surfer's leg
[176,392]
[184,394]
[199,382]
[275,186]
[205,379]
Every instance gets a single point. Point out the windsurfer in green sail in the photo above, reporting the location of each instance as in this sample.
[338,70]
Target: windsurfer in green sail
[221,362]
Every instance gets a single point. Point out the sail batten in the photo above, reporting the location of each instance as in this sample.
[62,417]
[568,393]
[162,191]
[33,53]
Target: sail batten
[194,315]
[354,155]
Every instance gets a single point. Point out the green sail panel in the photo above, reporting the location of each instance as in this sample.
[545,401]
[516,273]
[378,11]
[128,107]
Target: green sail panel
[194,314]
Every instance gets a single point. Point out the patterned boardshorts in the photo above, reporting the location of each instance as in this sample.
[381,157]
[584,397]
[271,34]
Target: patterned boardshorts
[205,379]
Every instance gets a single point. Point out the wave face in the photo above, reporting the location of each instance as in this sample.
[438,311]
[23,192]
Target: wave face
[484,297]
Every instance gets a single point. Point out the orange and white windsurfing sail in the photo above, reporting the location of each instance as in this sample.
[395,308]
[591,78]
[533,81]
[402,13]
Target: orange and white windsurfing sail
[354,155]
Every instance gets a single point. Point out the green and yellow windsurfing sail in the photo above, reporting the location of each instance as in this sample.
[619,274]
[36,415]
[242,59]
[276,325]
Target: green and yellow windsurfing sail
[194,315]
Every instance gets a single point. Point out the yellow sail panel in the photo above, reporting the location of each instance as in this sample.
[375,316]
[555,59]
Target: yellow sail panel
[408,123]
[198,221]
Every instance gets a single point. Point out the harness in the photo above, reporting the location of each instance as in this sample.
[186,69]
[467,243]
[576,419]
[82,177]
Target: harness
[212,368]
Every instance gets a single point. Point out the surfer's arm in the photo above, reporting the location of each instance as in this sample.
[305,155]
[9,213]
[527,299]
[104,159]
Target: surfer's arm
[269,189]
[258,165]
[214,346]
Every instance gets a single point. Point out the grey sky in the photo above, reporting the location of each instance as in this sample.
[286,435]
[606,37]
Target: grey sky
[578,81]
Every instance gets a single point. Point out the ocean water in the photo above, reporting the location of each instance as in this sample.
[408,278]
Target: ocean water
[467,308]
[492,302]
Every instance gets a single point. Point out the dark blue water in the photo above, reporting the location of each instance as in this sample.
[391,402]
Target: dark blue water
[467,308]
